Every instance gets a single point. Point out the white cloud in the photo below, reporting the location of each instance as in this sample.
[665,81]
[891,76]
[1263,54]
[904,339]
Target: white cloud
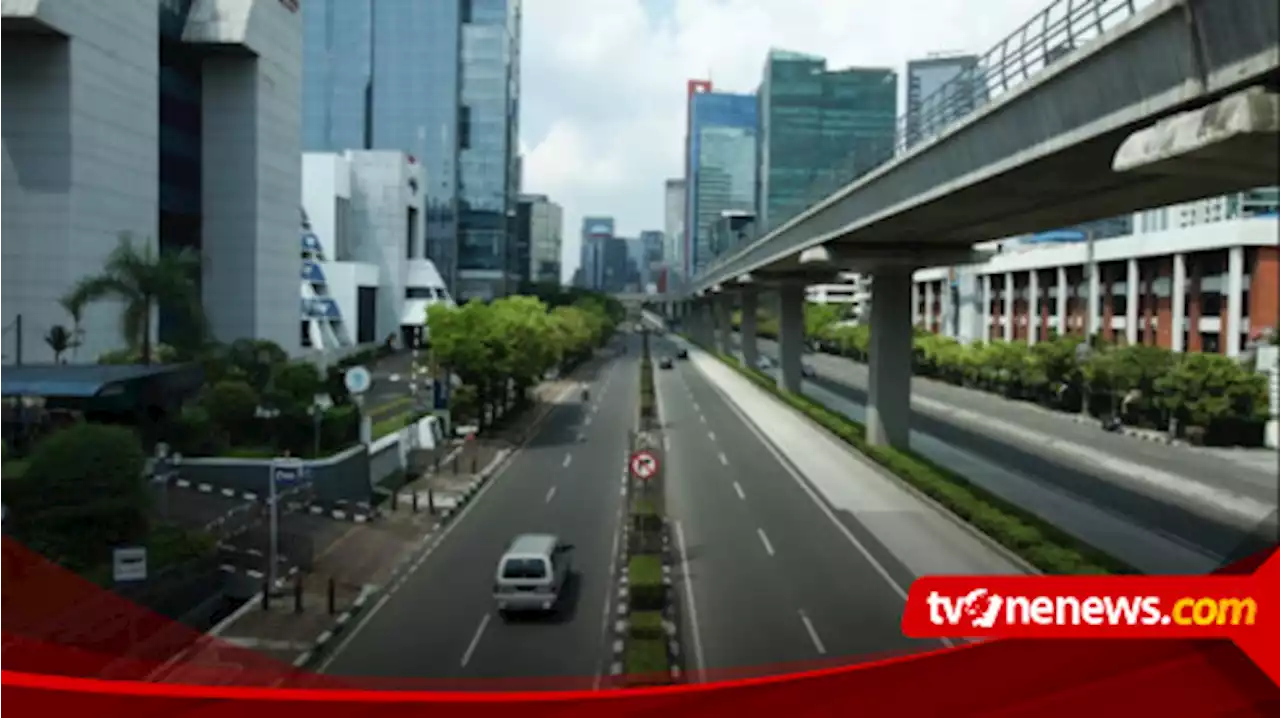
[603,81]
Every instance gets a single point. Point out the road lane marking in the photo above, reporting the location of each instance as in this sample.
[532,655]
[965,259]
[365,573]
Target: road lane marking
[433,540]
[695,404]
[813,496]
[608,593]
[693,606]
[711,435]
[813,634]
[738,488]
[587,421]
[582,436]
[568,459]
[475,641]
[551,494]
[702,418]
[724,459]
[765,540]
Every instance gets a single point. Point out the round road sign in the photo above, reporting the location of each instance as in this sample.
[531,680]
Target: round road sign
[357,380]
[644,465]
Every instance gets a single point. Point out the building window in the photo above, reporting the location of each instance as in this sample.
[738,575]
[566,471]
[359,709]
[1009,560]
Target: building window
[1210,304]
[1209,342]
[464,11]
[464,127]
[341,248]
[306,333]
[411,235]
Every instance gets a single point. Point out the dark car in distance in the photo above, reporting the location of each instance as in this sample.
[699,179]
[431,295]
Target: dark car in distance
[665,363]
[682,353]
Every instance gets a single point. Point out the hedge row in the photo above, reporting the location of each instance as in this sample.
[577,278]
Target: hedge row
[1036,541]
[1206,398]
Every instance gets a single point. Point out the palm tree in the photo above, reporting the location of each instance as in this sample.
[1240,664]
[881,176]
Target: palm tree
[59,340]
[74,307]
[143,280]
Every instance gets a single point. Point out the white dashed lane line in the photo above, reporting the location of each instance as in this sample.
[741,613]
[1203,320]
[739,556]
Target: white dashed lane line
[475,641]
[551,493]
[724,459]
[738,488]
[568,459]
[765,540]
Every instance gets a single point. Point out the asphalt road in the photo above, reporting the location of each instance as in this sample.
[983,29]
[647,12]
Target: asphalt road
[1219,540]
[774,582]
[440,622]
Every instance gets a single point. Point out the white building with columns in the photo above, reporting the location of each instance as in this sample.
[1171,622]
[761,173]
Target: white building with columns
[177,121]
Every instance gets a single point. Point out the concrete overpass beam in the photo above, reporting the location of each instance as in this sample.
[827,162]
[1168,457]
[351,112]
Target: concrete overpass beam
[1236,138]
[790,335]
[750,308]
[889,395]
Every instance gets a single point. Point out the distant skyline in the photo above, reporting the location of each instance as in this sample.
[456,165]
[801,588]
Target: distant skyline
[602,116]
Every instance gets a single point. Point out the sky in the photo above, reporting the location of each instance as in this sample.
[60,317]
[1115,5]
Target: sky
[603,81]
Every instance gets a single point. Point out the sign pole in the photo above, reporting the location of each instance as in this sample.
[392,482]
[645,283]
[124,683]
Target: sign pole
[274,527]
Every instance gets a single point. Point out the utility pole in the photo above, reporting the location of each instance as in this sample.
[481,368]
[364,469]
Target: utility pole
[1091,320]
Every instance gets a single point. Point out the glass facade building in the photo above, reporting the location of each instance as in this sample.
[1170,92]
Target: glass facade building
[722,167]
[934,101]
[440,81]
[819,129]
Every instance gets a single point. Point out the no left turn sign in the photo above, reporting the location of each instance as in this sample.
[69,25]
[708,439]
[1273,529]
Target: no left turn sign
[644,465]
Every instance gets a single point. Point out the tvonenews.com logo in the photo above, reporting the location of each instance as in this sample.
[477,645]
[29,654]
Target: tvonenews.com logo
[983,609]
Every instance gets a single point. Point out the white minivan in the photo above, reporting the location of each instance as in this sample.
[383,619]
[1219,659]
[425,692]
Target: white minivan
[531,574]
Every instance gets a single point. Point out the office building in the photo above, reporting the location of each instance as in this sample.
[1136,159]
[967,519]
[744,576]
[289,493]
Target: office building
[617,271]
[364,273]
[730,231]
[153,119]
[673,226]
[542,221]
[940,89]
[693,88]
[439,81]
[722,165]
[819,129]
[1208,287]
[596,231]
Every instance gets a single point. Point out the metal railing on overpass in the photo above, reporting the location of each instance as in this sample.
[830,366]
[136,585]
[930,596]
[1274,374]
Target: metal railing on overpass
[1053,34]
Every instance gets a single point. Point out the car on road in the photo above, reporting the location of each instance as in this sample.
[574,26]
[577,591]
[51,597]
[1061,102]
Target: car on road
[807,371]
[531,574]
[682,353]
[665,363]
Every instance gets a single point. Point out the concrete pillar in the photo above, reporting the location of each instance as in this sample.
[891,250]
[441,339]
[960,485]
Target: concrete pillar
[1009,301]
[750,307]
[889,391]
[1094,308]
[1131,302]
[791,335]
[1062,301]
[1033,307]
[986,307]
[1178,302]
[1235,301]
[915,304]
[723,308]
[928,305]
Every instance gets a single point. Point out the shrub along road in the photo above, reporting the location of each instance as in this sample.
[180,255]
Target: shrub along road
[1211,536]
[440,623]
[775,585]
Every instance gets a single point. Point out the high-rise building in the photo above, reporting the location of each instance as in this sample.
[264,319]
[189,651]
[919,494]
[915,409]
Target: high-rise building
[673,226]
[616,265]
[722,165]
[819,129]
[596,231]
[440,81]
[144,117]
[941,88]
[542,221]
[693,88]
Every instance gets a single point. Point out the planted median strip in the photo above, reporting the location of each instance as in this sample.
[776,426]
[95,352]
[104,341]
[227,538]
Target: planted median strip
[1028,536]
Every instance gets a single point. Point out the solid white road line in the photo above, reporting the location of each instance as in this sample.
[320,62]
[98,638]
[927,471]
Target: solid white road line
[551,494]
[813,634]
[699,661]
[724,459]
[568,459]
[475,641]
[738,488]
[765,540]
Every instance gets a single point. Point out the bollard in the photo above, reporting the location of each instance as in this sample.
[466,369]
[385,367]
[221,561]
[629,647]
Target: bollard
[395,499]
[297,595]
[333,596]
[431,501]
[266,595]
[473,464]
[414,498]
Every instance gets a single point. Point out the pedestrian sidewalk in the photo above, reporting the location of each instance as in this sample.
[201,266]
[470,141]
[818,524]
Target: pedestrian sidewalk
[921,535]
[300,619]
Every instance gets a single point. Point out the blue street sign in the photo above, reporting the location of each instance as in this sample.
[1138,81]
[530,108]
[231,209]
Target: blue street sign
[286,474]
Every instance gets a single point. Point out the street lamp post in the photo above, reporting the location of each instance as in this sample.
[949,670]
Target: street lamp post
[163,466]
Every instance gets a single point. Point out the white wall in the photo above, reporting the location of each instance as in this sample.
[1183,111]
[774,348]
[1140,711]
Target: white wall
[325,177]
[80,139]
[344,278]
[380,202]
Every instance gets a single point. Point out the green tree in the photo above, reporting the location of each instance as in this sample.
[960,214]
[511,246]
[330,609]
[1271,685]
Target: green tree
[461,344]
[59,340]
[818,318]
[143,281]
[74,307]
[528,335]
[233,406]
[83,493]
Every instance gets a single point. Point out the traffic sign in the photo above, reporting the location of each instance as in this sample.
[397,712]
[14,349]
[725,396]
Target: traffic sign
[357,380]
[644,465]
[129,564]
[286,472]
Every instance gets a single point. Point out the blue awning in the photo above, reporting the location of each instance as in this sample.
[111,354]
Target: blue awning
[320,308]
[312,272]
[76,381]
[310,242]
